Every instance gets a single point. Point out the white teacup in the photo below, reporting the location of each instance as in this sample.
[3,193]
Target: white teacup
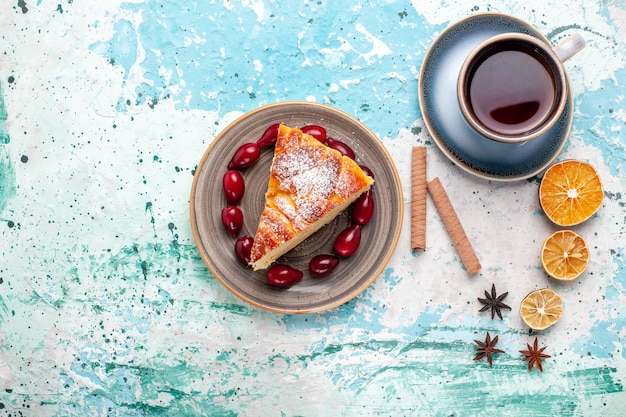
[513,87]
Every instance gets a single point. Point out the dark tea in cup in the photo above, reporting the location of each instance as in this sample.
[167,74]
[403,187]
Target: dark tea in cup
[512,87]
[511,91]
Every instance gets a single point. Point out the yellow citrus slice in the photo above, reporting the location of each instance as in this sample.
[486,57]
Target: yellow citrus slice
[541,309]
[570,192]
[564,255]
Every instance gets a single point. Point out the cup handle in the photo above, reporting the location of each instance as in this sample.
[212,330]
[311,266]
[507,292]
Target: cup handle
[569,47]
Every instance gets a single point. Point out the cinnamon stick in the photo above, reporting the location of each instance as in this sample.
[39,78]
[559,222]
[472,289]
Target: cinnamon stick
[453,226]
[418,198]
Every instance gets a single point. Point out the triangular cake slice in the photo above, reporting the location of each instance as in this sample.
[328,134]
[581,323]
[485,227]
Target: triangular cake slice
[310,184]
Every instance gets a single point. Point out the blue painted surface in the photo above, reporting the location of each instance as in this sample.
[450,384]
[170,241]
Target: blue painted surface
[106,307]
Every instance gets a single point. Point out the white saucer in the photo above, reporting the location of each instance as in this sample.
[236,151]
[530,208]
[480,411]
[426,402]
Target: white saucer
[464,146]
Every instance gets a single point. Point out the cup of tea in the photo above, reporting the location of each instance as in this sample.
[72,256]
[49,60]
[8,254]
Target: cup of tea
[513,87]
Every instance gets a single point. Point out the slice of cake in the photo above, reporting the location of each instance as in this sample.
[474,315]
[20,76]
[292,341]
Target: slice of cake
[310,184]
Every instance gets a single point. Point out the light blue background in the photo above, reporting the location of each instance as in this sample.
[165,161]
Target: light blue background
[105,305]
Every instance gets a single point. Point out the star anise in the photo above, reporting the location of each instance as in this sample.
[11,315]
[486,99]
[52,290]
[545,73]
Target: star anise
[486,349]
[494,302]
[534,355]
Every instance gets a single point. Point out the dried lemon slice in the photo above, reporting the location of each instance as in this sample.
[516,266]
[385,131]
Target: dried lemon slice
[570,192]
[541,309]
[564,255]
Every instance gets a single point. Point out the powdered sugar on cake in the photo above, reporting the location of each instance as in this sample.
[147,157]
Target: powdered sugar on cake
[310,179]
[309,185]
